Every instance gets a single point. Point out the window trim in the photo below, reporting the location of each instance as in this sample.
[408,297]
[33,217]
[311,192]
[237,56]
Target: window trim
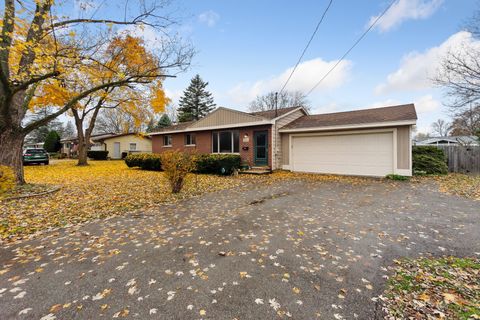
[130,146]
[171,140]
[232,135]
[192,135]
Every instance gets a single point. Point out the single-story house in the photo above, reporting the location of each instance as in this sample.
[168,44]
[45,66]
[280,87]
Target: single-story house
[124,143]
[115,144]
[33,145]
[450,141]
[370,142]
[70,145]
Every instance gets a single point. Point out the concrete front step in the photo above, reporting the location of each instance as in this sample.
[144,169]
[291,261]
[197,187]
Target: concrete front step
[257,170]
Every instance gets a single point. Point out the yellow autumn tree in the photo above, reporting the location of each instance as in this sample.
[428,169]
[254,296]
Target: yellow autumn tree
[46,54]
[125,56]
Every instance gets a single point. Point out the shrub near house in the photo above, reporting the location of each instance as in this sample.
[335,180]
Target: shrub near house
[145,161]
[97,154]
[428,160]
[223,164]
[177,165]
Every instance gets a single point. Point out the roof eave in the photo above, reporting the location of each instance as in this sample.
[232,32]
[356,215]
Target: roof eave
[226,126]
[353,126]
[290,112]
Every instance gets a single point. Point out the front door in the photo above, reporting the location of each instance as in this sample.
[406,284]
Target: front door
[260,148]
[116,150]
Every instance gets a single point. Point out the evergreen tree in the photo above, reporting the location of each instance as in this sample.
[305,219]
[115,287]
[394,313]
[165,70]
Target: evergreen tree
[52,142]
[163,122]
[196,101]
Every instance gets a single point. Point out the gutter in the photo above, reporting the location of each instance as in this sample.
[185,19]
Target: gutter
[353,126]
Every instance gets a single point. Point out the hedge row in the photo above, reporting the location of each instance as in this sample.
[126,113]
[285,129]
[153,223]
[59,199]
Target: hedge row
[97,155]
[428,160]
[224,164]
[146,161]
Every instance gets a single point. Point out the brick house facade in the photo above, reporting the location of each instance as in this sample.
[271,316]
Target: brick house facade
[204,142]
[368,142]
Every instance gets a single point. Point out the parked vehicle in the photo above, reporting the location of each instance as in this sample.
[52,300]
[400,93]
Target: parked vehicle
[35,156]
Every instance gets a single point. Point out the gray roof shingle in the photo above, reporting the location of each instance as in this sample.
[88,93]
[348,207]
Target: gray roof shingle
[385,114]
[270,114]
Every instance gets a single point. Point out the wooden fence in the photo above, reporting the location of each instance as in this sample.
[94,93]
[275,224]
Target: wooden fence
[463,159]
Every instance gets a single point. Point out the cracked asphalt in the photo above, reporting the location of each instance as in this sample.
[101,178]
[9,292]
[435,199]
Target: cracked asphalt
[295,249]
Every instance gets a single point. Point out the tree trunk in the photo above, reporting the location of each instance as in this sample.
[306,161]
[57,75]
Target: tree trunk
[83,140]
[11,132]
[82,154]
[11,144]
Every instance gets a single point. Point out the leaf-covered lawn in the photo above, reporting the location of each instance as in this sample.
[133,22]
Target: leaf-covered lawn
[427,288]
[102,189]
[460,184]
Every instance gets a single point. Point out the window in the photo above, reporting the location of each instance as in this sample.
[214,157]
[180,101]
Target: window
[190,139]
[226,142]
[133,146]
[167,141]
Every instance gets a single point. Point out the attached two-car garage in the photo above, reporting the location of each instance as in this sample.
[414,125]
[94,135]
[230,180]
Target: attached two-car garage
[367,154]
[366,142]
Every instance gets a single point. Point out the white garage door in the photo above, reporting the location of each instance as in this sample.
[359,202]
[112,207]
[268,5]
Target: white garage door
[369,154]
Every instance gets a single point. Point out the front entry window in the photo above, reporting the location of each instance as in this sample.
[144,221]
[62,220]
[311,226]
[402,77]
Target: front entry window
[226,142]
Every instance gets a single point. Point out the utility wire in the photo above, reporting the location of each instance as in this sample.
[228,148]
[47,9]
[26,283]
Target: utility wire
[308,44]
[353,46]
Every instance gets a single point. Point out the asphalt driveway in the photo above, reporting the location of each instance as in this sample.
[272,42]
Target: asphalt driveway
[290,249]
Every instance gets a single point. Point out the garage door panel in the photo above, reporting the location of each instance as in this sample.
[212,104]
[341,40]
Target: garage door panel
[353,154]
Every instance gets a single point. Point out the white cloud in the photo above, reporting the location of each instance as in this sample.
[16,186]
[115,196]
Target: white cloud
[308,73]
[210,18]
[384,103]
[417,69]
[174,95]
[427,104]
[406,10]
[152,38]
[423,104]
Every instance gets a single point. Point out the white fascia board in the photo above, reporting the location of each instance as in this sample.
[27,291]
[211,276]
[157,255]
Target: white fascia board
[226,126]
[290,112]
[353,126]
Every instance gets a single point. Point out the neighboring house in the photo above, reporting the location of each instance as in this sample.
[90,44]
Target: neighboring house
[70,145]
[450,141]
[115,144]
[125,143]
[32,145]
[371,142]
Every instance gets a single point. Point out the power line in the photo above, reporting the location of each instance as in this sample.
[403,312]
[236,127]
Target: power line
[353,46]
[308,44]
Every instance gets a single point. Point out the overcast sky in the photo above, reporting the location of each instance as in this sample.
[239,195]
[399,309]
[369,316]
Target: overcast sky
[248,47]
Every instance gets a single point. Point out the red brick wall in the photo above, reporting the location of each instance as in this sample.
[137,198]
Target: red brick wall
[247,155]
[204,142]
